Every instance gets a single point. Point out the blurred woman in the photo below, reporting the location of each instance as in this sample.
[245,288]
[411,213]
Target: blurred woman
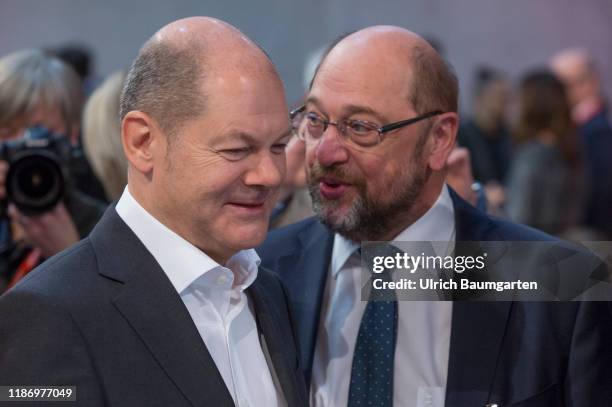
[486,134]
[544,183]
[39,90]
[102,136]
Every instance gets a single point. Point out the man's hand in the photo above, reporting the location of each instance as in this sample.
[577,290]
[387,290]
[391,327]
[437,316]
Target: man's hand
[51,232]
[3,171]
[496,196]
[459,174]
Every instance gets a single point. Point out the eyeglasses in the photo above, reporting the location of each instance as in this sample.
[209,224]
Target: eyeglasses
[310,127]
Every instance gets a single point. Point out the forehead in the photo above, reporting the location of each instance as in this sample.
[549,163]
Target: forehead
[51,114]
[249,102]
[48,117]
[258,91]
[363,77]
[570,66]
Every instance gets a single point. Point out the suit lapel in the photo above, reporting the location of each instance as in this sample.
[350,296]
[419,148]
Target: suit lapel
[285,368]
[151,306]
[304,273]
[478,328]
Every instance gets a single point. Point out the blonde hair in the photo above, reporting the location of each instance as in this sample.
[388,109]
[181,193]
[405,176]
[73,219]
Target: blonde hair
[31,78]
[102,136]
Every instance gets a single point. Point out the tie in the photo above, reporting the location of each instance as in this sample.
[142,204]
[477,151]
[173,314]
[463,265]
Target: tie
[372,370]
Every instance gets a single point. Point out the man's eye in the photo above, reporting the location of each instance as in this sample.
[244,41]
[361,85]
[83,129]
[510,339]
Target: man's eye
[234,154]
[279,148]
[359,127]
[314,120]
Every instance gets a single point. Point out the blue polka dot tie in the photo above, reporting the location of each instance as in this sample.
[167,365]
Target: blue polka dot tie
[372,370]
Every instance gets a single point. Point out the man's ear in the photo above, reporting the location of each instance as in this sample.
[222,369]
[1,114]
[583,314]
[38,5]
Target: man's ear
[444,134]
[139,136]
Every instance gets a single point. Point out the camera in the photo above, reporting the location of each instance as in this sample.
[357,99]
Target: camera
[39,170]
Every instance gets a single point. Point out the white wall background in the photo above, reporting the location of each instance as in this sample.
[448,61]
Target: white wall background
[512,35]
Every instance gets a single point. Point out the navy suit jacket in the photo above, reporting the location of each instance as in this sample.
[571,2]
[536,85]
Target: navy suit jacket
[597,143]
[104,317]
[509,353]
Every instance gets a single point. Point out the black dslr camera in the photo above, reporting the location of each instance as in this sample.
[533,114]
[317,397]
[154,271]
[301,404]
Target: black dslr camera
[39,170]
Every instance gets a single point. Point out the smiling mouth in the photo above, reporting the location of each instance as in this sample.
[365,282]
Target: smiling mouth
[248,204]
[248,208]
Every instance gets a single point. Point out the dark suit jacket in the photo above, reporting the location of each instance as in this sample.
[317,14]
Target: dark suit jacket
[104,317]
[510,353]
[490,156]
[597,144]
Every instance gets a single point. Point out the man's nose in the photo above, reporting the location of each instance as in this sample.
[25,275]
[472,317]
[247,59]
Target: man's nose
[269,171]
[330,149]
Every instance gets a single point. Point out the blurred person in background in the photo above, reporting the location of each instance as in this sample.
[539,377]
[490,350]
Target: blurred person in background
[102,136]
[79,57]
[39,90]
[460,178]
[486,134]
[544,183]
[578,71]
[294,203]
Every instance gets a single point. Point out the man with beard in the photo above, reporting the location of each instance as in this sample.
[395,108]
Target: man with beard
[379,123]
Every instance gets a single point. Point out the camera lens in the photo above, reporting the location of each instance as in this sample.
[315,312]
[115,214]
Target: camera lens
[35,183]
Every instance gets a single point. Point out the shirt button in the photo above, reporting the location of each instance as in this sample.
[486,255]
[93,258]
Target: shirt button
[222,279]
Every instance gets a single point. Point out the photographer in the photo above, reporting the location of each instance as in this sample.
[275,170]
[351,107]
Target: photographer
[37,90]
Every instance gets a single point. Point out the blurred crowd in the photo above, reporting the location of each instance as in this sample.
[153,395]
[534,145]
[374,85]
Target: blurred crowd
[542,148]
[537,150]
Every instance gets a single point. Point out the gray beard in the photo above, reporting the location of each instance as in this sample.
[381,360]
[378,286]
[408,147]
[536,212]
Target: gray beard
[368,220]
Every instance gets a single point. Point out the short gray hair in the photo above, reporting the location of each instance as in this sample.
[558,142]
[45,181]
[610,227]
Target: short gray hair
[434,83]
[166,82]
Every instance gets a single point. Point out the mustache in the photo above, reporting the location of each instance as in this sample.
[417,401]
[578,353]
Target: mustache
[317,172]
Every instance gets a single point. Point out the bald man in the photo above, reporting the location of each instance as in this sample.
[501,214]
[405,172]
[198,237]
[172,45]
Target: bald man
[576,68]
[379,123]
[164,303]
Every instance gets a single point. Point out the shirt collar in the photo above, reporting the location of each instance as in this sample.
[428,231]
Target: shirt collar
[342,250]
[182,262]
[436,225]
[244,265]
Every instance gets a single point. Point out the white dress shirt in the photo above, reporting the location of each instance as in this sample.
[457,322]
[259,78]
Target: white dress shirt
[215,298]
[423,332]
